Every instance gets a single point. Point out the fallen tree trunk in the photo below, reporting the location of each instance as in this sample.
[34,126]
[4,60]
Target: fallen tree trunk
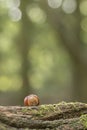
[62,116]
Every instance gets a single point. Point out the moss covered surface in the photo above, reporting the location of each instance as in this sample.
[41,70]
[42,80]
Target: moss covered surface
[61,109]
[83,120]
[61,116]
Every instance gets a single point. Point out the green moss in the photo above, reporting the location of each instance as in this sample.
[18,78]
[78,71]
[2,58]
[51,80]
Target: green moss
[43,109]
[83,120]
[25,110]
[46,110]
[62,103]
[72,105]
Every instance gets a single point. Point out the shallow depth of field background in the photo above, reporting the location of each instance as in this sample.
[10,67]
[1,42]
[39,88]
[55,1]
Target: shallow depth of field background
[43,50]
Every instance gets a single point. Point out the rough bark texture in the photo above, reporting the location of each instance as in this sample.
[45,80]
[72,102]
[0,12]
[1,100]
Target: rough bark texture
[62,116]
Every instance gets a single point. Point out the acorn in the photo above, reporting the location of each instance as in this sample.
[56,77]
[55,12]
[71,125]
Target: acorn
[31,100]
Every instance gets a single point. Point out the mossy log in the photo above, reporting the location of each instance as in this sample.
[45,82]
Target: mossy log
[62,116]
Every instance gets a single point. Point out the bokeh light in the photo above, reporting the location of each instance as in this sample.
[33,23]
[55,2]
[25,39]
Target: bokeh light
[15,14]
[36,14]
[13,3]
[54,3]
[69,6]
[12,7]
[83,7]
[9,3]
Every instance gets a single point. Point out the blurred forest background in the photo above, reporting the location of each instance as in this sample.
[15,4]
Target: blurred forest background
[43,50]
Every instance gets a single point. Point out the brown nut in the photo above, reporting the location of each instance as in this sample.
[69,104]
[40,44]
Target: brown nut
[31,100]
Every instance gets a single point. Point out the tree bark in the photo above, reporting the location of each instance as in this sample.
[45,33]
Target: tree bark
[62,116]
[24,45]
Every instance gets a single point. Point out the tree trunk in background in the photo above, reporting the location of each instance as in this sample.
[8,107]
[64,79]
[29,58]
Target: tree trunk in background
[68,28]
[24,47]
[80,80]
